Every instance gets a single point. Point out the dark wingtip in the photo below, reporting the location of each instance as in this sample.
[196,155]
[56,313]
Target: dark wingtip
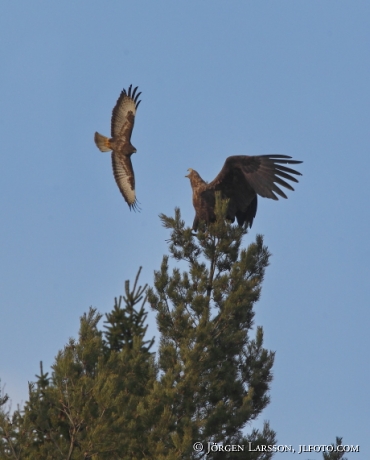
[282,159]
[135,206]
[133,93]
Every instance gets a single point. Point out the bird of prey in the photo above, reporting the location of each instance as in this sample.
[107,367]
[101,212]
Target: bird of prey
[240,180]
[122,123]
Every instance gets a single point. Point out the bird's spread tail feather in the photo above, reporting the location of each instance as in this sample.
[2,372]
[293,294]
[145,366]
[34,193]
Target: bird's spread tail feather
[102,143]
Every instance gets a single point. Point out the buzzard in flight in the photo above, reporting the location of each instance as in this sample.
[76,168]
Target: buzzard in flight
[123,118]
[240,180]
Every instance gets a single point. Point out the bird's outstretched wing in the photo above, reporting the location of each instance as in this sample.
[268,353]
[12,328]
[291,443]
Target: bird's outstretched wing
[123,115]
[125,178]
[261,174]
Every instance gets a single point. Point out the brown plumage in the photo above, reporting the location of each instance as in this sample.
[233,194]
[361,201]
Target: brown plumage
[122,124]
[240,180]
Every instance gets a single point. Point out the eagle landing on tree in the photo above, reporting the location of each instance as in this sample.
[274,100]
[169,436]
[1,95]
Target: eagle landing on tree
[122,124]
[240,180]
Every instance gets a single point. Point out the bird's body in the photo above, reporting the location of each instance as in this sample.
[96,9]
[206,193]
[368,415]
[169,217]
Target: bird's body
[122,124]
[241,179]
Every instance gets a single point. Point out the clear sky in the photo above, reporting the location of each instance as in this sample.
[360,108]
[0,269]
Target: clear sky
[218,78]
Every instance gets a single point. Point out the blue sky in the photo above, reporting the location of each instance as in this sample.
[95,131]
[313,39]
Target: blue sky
[217,79]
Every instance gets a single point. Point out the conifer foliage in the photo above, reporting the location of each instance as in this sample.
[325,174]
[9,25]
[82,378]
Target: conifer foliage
[215,374]
[335,454]
[93,406]
[110,397]
[124,324]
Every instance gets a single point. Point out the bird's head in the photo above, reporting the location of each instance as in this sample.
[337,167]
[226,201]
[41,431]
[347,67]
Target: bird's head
[195,179]
[190,171]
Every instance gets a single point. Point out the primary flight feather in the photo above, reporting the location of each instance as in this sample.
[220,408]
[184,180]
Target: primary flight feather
[240,180]
[122,124]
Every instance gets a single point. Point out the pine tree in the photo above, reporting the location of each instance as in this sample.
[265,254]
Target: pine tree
[123,324]
[335,454]
[109,397]
[215,377]
[93,406]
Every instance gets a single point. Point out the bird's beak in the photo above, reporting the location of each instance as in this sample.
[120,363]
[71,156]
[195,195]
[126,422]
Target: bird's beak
[190,170]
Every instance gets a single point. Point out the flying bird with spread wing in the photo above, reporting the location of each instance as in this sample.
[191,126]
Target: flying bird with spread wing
[240,180]
[122,124]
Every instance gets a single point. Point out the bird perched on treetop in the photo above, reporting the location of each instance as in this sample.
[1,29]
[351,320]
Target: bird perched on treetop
[122,124]
[240,180]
